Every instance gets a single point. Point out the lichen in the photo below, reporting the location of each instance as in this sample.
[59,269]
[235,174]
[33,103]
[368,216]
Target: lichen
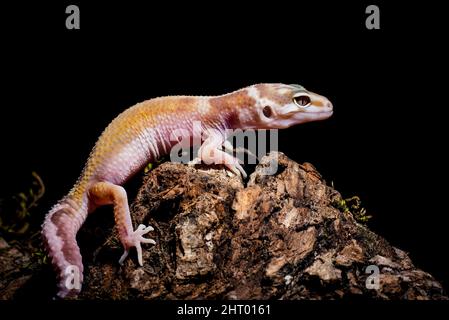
[353,206]
[151,165]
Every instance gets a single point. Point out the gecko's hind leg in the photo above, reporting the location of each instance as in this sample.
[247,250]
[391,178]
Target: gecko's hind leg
[103,193]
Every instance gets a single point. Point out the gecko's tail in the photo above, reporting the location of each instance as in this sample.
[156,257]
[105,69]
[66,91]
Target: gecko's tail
[59,233]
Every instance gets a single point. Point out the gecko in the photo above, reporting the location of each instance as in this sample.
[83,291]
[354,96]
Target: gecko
[141,135]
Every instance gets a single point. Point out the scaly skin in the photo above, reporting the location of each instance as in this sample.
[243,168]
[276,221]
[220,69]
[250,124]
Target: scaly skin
[140,135]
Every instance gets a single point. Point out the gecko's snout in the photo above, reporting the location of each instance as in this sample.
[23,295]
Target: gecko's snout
[324,103]
[321,107]
[328,109]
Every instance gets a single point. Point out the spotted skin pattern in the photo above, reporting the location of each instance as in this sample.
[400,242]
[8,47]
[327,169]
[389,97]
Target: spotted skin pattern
[142,134]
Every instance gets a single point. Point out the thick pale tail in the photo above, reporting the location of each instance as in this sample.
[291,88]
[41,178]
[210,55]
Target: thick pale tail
[59,232]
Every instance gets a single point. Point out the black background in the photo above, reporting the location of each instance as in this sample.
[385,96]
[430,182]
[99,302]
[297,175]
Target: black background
[386,141]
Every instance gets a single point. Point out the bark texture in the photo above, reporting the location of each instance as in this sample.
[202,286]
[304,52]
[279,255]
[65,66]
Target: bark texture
[280,236]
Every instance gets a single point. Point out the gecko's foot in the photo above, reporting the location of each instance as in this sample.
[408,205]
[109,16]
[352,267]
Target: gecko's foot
[135,240]
[234,167]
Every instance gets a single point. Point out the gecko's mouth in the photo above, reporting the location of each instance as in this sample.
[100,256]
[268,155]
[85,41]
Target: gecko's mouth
[325,114]
[321,113]
[312,116]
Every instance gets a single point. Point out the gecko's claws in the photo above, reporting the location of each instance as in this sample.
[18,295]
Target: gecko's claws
[237,169]
[136,238]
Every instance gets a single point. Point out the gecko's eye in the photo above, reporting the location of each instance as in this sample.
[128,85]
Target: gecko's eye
[302,101]
[267,112]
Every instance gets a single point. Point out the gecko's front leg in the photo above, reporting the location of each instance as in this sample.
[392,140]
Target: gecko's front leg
[210,153]
[103,193]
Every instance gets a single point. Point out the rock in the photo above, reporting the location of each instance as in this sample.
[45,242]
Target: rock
[323,267]
[277,237]
[13,273]
[3,244]
[384,262]
[350,254]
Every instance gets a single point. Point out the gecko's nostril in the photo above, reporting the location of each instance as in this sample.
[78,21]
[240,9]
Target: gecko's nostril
[329,105]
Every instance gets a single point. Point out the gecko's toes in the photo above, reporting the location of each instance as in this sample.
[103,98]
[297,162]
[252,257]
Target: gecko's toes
[145,240]
[139,254]
[123,257]
[237,169]
[148,229]
[139,232]
[136,240]
[141,229]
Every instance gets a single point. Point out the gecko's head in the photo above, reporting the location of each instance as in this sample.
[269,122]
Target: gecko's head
[280,106]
